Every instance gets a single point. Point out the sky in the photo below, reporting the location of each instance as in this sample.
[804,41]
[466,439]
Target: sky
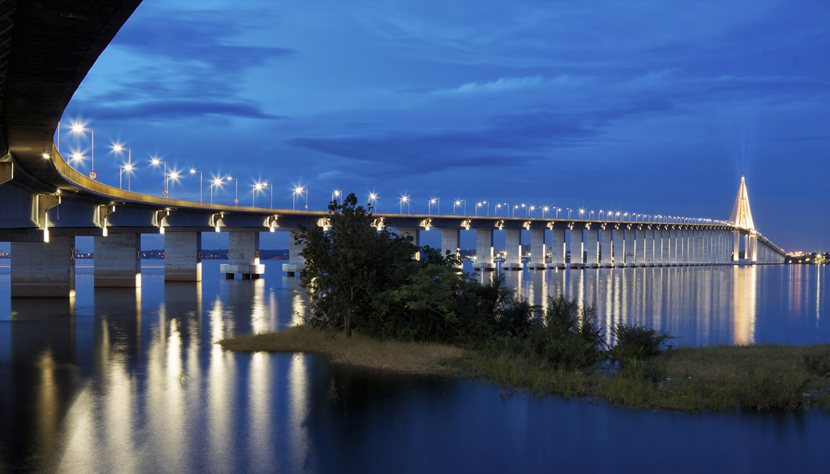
[642,107]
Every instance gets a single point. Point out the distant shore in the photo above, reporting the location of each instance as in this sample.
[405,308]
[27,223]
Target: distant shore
[759,378]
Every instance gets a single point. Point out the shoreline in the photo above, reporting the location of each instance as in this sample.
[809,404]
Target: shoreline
[691,379]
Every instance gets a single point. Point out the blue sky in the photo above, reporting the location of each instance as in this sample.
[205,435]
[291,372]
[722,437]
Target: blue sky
[654,107]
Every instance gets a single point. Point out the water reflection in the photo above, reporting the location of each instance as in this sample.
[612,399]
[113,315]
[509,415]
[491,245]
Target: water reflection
[131,381]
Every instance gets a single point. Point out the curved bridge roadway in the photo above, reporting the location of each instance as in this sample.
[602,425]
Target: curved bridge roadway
[45,203]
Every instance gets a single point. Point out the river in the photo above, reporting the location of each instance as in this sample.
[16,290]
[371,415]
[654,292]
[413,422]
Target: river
[130,381]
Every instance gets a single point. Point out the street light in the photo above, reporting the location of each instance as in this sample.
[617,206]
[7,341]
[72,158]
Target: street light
[118,148]
[156,162]
[457,203]
[569,211]
[404,199]
[299,190]
[545,209]
[78,128]
[128,167]
[530,211]
[216,182]
[373,197]
[201,182]
[173,176]
[437,202]
[581,212]
[335,195]
[591,215]
[236,182]
[257,187]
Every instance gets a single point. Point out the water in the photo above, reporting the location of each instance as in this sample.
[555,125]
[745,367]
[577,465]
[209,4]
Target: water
[129,381]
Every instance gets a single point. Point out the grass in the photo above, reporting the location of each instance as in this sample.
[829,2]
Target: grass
[762,377]
[359,350]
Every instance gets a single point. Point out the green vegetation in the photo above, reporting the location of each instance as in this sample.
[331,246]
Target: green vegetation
[425,316]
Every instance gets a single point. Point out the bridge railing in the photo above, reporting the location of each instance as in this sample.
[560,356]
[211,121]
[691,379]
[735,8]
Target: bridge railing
[81,181]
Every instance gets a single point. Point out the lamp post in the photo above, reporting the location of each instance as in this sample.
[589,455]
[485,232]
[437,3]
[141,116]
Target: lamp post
[118,148]
[335,195]
[437,202]
[216,182]
[128,167]
[373,197]
[458,203]
[545,209]
[404,199]
[201,181]
[257,187]
[79,127]
[298,190]
[591,215]
[156,162]
[173,176]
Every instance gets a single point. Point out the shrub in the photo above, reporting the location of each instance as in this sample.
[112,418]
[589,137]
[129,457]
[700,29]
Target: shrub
[636,343]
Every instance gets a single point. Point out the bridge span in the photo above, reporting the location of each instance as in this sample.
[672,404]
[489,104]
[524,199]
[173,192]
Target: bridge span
[45,203]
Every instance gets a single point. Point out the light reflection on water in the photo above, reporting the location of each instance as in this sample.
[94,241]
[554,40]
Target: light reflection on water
[129,381]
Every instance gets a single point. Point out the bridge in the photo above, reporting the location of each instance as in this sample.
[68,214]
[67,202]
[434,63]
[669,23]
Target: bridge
[45,203]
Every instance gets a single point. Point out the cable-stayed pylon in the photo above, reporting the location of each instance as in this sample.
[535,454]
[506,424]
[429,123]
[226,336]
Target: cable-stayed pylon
[741,215]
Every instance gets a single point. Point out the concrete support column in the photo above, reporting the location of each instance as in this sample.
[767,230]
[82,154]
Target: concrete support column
[640,247]
[630,247]
[706,250]
[649,247]
[415,233]
[606,248]
[43,269]
[619,248]
[182,256]
[117,260]
[736,246]
[450,239]
[576,248]
[673,244]
[665,242]
[592,248]
[538,249]
[754,247]
[296,262]
[484,250]
[683,247]
[557,248]
[243,256]
[513,249]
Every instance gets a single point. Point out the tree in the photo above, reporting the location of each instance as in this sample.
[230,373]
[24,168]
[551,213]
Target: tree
[348,263]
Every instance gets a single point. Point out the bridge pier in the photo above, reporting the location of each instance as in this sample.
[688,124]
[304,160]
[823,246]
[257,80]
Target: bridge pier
[117,261]
[640,247]
[665,243]
[183,256]
[736,247]
[243,256]
[592,248]
[630,248]
[618,239]
[484,251]
[557,248]
[450,240]
[538,250]
[513,249]
[606,248]
[576,249]
[43,269]
[649,247]
[296,263]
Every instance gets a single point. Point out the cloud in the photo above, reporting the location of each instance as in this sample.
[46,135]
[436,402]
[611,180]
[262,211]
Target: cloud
[501,85]
[179,109]
[205,37]
[507,140]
